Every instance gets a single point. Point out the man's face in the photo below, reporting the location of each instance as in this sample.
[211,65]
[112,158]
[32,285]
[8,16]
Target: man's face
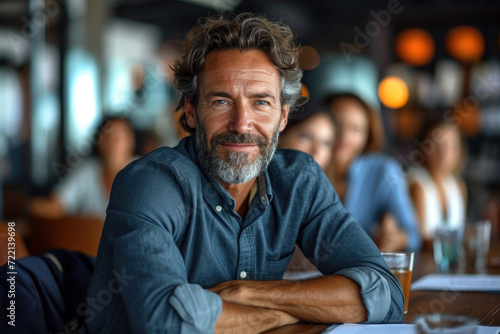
[239,114]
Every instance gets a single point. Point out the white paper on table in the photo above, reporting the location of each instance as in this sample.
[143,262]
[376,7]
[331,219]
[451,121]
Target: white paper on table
[458,282]
[372,329]
[392,329]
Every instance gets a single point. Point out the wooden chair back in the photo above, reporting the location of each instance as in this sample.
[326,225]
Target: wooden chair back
[18,251]
[72,233]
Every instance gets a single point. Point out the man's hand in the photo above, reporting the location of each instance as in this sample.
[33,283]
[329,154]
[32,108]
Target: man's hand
[234,291]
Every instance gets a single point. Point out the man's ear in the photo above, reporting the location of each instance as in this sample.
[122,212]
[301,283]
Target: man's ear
[285,110]
[189,111]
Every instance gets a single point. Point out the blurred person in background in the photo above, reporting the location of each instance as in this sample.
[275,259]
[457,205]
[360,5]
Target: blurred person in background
[371,185]
[147,141]
[438,192]
[312,131]
[85,190]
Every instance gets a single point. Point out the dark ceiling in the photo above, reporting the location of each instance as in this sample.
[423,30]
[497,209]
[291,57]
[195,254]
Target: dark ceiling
[322,19]
[321,23]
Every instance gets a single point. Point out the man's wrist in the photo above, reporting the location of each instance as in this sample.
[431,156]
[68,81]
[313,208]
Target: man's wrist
[266,294]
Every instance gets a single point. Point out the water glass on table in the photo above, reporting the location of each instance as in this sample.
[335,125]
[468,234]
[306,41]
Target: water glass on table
[447,247]
[476,243]
[401,265]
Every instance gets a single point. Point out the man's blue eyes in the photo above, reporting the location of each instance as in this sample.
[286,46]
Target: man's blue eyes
[223,102]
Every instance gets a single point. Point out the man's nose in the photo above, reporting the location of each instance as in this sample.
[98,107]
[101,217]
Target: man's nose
[240,121]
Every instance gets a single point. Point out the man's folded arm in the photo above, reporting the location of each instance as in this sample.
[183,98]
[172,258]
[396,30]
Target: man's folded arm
[353,255]
[328,299]
[337,245]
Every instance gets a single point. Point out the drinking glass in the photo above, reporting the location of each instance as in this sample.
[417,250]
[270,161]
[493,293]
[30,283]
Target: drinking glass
[401,265]
[447,247]
[476,244]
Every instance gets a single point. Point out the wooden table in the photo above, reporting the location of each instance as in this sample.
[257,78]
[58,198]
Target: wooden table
[484,306]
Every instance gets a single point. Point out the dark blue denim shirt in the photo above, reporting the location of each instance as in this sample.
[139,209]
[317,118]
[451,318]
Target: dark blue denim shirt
[172,231]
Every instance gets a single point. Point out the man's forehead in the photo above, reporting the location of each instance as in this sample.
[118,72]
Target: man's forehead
[233,63]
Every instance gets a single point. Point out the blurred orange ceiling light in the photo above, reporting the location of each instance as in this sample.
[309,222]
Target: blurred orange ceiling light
[415,46]
[465,43]
[393,92]
[308,58]
[304,91]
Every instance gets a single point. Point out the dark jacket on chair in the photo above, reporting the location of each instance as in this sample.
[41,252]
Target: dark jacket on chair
[49,292]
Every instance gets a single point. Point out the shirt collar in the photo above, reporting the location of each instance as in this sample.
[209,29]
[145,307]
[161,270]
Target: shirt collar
[265,189]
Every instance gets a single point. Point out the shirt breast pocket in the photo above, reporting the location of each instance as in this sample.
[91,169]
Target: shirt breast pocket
[274,269]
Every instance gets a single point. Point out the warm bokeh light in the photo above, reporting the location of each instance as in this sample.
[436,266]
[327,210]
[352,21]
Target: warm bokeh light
[467,115]
[408,123]
[304,91]
[308,58]
[465,43]
[393,92]
[415,47]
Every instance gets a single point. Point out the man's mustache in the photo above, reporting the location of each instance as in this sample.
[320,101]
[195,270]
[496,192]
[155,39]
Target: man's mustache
[239,138]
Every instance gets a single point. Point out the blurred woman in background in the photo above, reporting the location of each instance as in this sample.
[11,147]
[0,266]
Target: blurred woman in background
[372,186]
[438,192]
[85,190]
[312,131]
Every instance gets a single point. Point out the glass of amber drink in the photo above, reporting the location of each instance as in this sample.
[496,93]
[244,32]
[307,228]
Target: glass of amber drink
[401,265]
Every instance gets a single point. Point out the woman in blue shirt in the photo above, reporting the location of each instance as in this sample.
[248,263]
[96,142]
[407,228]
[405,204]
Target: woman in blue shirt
[371,185]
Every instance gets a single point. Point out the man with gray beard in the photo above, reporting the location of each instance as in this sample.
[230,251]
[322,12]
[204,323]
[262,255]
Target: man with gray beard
[197,237]
[233,169]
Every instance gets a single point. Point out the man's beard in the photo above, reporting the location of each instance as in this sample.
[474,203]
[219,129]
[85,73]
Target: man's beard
[237,167]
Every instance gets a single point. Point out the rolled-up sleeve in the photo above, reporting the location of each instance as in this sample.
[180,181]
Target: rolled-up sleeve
[198,308]
[374,290]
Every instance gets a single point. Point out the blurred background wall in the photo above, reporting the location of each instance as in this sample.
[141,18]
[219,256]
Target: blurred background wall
[65,64]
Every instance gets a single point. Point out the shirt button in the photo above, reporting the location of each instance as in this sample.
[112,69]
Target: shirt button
[243,274]
[218,208]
